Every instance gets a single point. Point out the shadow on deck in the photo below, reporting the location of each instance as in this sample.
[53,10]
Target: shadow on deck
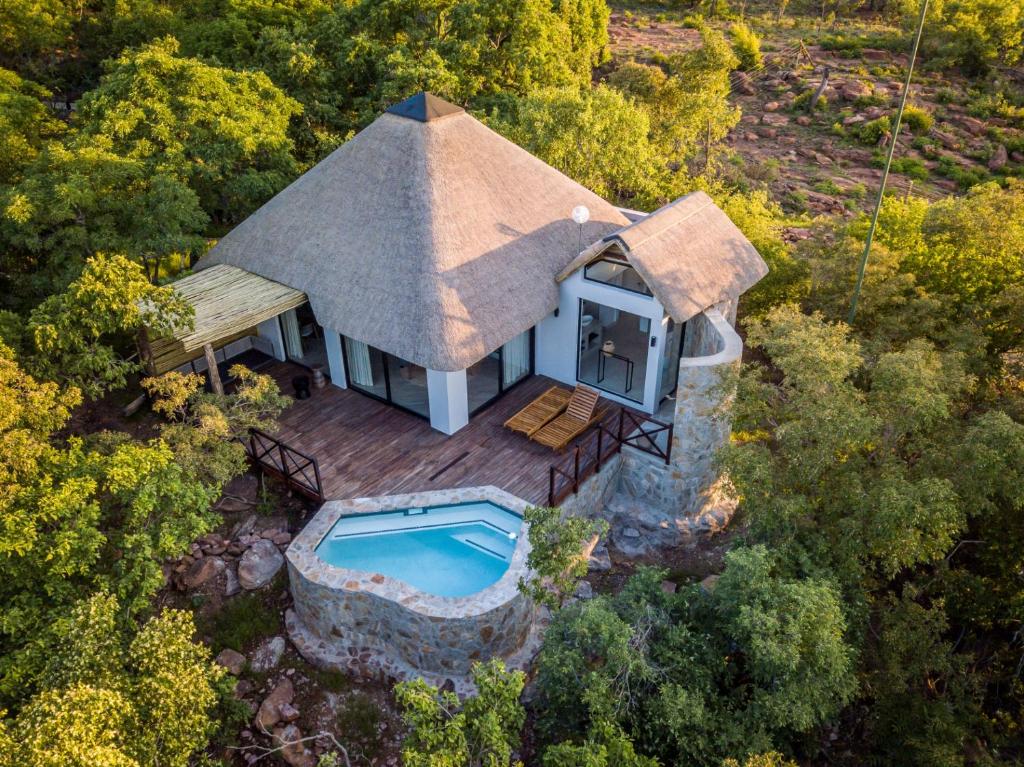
[366,448]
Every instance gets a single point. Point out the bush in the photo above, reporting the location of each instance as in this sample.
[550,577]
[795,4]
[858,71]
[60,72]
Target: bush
[746,45]
[918,119]
[801,101]
[872,132]
[243,619]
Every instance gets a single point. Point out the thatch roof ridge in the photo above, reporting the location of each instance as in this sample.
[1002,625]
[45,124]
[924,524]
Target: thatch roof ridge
[665,217]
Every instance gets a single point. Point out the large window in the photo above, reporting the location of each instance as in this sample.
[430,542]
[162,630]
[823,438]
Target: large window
[617,272]
[613,348]
[675,334]
[499,371]
[386,377]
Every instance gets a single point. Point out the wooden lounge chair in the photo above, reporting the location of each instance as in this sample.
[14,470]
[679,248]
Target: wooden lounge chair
[540,411]
[580,414]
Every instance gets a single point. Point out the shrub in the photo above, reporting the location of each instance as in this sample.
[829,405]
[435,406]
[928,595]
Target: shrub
[918,119]
[872,132]
[801,101]
[746,45]
[243,619]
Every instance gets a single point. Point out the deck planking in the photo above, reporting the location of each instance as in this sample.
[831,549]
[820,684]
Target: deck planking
[365,447]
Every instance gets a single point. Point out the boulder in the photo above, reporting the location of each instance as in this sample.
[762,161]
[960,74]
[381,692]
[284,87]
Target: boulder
[288,712]
[775,120]
[669,587]
[708,584]
[232,660]
[1017,157]
[973,125]
[803,120]
[259,564]
[294,752]
[998,159]
[772,106]
[270,709]
[202,570]
[231,584]
[854,120]
[599,561]
[267,655]
[584,590]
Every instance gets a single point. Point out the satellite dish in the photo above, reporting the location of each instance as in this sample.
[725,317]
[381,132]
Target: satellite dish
[581,214]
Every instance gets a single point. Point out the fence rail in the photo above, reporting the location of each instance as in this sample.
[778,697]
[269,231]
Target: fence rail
[300,472]
[598,444]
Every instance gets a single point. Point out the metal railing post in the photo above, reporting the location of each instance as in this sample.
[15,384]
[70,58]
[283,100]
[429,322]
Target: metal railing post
[551,486]
[597,467]
[668,445]
[576,470]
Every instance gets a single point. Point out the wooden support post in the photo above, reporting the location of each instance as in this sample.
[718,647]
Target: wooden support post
[211,364]
[145,350]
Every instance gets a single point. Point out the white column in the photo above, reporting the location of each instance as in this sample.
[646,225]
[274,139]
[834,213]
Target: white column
[335,363]
[449,400]
[271,330]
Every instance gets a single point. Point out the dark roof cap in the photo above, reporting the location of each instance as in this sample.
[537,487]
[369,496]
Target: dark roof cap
[424,107]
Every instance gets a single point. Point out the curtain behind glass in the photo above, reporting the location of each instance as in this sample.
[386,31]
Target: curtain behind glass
[292,336]
[360,371]
[516,359]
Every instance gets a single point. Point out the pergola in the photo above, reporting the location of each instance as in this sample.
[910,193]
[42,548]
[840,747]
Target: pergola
[229,303]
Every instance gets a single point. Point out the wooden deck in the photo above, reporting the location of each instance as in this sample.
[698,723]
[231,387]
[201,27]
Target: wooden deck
[365,447]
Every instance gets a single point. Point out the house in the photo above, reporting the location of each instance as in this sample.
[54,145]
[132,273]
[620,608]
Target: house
[431,264]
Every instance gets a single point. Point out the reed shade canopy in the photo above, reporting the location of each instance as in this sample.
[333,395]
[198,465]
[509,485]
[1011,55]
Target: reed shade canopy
[229,303]
[689,253]
[426,235]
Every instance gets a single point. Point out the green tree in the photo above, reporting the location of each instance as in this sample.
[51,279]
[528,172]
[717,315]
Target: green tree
[222,132]
[556,553]
[118,700]
[73,331]
[75,201]
[25,124]
[482,731]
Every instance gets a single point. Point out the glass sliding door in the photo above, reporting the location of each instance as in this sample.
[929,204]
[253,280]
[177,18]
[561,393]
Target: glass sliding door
[303,337]
[499,371]
[613,346]
[386,377]
[670,353]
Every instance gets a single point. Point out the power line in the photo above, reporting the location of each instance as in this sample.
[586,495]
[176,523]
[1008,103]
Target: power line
[888,164]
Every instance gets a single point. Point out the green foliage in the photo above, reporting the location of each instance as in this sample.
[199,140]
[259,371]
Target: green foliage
[973,34]
[206,431]
[241,621]
[75,201]
[73,331]
[556,559]
[875,131]
[101,512]
[695,677]
[918,119]
[605,746]
[224,133]
[746,45]
[482,731]
[25,124]
[116,700]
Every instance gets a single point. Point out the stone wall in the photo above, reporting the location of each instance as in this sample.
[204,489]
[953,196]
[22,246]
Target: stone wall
[667,504]
[344,613]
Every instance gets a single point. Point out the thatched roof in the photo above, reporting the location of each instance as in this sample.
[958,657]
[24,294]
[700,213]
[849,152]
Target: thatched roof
[427,235]
[690,254]
[229,303]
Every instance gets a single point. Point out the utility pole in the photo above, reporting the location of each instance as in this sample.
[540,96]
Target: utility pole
[888,164]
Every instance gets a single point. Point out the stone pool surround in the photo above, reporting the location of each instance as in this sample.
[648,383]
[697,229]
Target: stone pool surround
[342,615]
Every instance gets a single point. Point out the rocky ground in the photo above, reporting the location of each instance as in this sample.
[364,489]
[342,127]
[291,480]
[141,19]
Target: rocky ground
[826,161]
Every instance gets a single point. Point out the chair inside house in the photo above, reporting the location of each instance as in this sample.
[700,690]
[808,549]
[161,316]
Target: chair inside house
[540,411]
[580,414]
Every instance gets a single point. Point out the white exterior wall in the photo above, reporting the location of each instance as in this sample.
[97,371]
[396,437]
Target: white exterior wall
[557,337]
[335,360]
[449,400]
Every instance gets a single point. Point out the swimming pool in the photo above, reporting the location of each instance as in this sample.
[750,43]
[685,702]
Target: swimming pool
[419,583]
[450,551]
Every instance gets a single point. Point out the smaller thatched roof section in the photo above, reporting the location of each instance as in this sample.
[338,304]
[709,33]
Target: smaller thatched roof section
[690,254]
[229,303]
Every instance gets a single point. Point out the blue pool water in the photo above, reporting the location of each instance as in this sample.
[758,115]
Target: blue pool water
[450,551]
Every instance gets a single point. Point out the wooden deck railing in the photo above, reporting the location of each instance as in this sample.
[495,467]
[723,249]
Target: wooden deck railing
[639,431]
[300,472]
[598,444]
